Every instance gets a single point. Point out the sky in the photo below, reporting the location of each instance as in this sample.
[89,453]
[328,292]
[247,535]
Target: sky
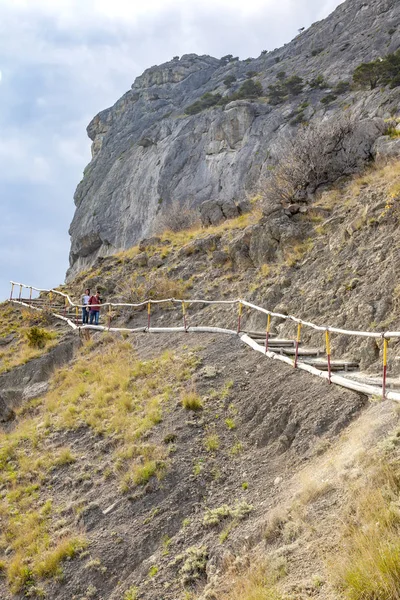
[61,62]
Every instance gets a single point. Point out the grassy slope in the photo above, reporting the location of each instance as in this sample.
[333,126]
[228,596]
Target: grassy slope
[115,419]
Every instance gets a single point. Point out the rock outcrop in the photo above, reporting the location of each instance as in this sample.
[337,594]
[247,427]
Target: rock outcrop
[147,152]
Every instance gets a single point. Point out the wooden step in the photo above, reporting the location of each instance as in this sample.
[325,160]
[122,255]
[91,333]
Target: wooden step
[336,365]
[302,351]
[277,344]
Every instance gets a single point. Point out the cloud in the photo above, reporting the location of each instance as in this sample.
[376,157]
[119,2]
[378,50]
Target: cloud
[62,62]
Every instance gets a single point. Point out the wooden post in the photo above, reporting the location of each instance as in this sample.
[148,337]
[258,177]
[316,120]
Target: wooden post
[328,353]
[184,315]
[76,315]
[239,316]
[296,356]
[109,317]
[12,291]
[20,293]
[267,333]
[148,314]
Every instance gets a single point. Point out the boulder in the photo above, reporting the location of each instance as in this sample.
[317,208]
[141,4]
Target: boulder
[386,148]
[6,413]
[147,243]
[213,212]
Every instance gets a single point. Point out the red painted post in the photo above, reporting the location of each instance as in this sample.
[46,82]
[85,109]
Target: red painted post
[267,333]
[385,354]
[239,316]
[109,317]
[328,353]
[296,356]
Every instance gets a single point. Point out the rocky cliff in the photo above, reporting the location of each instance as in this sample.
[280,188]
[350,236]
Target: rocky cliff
[147,152]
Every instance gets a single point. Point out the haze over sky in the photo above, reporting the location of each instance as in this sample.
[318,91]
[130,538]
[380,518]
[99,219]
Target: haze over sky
[61,62]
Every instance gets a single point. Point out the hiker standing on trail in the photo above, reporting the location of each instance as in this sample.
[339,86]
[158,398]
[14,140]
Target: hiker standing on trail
[94,304]
[85,308]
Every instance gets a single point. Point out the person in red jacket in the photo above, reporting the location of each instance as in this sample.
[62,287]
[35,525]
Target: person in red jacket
[94,307]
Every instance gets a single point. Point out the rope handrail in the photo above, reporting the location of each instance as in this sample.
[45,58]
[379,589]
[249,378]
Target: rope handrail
[311,368]
[239,301]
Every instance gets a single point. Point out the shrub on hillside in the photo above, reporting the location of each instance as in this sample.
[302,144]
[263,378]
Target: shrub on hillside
[176,216]
[318,155]
[318,83]
[284,88]
[207,100]
[229,80]
[38,337]
[249,89]
[382,71]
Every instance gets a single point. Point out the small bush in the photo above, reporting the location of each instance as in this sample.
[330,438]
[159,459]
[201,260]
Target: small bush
[131,594]
[285,87]
[207,100]
[214,517]
[194,565]
[176,216]
[191,401]
[342,87]
[318,83]
[143,473]
[328,99]
[211,443]
[316,51]
[229,80]
[38,337]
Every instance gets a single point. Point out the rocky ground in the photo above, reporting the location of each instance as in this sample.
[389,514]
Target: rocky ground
[278,454]
[127,494]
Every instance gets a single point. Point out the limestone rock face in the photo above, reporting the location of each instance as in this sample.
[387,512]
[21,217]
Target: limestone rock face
[146,152]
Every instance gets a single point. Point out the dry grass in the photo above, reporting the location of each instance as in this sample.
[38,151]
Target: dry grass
[257,582]
[368,566]
[155,286]
[108,391]
[22,324]
[297,252]
[191,400]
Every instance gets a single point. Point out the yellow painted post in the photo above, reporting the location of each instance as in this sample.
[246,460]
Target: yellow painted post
[297,345]
[385,355]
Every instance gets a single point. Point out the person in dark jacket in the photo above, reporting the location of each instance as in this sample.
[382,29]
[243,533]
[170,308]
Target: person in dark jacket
[94,305]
